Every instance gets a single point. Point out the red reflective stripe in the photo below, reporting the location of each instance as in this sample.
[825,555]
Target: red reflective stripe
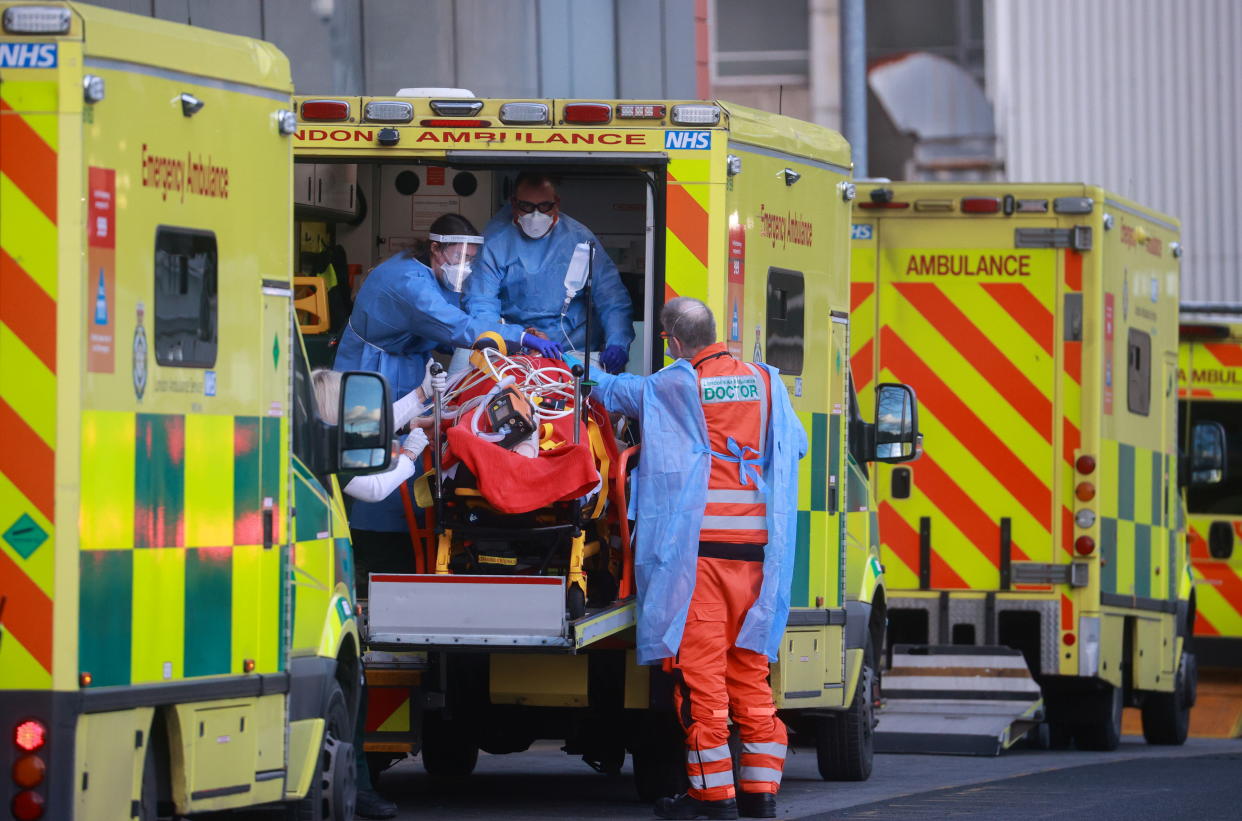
[27,612]
[1073,361]
[1071,440]
[1203,627]
[1225,580]
[686,219]
[28,462]
[904,541]
[1198,545]
[863,365]
[1228,354]
[1067,613]
[28,310]
[1025,309]
[970,431]
[960,508]
[1073,270]
[859,292]
[28,161]
[993,365]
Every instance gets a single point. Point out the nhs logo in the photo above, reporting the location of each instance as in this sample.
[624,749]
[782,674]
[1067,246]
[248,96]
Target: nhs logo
[858,231]
[688,139]
[27,55]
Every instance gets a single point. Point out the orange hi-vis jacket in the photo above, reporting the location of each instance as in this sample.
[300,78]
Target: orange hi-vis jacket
[736,398]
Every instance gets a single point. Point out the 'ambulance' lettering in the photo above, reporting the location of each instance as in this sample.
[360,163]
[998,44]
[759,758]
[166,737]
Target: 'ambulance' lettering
[27,55]
[730,389]
[984,265]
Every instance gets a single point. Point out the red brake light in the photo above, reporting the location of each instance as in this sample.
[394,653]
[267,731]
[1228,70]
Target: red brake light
[30,735]
[1085,545]
[588,113]
[872,205]
[455,123]
[1085,464]
[1069,639]
[27,806]
[981,205]
[326,110]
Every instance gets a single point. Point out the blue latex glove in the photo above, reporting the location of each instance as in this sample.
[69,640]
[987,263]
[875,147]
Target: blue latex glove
[614,358]
[544,347]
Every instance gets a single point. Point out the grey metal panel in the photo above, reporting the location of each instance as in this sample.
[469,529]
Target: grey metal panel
[408,43]
[679,47]
[639,44]
[593,49]
[554,58]
[177,11]
[304,39]
[244,17]
[496,43]
[1140,96]
[133,6]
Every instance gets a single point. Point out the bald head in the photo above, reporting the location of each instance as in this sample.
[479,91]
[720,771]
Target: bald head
[690,322]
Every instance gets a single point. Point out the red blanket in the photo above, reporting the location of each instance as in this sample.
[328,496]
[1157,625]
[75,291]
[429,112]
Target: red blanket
[516,484]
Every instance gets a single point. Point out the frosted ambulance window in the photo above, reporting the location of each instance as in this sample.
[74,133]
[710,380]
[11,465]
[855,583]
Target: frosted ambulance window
[1138,373]
[185,297]
[786,320]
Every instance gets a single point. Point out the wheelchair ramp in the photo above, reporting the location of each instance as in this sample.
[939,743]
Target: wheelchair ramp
[483,613]
[956,700]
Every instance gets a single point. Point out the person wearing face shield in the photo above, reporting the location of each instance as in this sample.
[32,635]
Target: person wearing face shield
[406,309]
[531,273]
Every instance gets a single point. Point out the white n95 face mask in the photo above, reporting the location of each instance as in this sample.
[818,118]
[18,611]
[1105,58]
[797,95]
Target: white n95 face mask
[535,225]
[453,275]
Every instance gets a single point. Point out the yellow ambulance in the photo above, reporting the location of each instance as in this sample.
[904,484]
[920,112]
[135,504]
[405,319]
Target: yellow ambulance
[174,638]
[746,210]
[1035,554]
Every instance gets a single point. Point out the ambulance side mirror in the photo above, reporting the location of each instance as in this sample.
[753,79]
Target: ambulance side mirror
[366,424]
[1207,453]
[896,430]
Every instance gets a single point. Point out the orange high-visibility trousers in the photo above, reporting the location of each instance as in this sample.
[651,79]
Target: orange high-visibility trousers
[716,680]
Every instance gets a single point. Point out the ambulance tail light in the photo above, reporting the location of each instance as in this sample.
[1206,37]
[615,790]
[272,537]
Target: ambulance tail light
[696,114]
[388,111]
[27,806]
[325,110]
[1085,491]
[443,123]
[1085,464]
[588,113]
[36,20]
[633,111]
[524,114]
[1085,545]
[30,735]
[981,205]
[456,109]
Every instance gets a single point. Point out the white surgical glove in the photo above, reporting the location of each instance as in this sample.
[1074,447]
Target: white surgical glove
[414,443]
[439,383]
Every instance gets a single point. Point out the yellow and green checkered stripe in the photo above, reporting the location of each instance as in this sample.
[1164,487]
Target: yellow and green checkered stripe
[177,581]
[1133,527]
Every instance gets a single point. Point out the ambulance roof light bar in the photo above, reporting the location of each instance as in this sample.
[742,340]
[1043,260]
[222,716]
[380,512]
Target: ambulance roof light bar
[588,113]
[696,114]
[524,114]
[36,20]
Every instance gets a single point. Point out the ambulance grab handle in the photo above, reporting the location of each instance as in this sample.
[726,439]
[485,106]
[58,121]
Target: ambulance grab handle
[576,370]
[436,370]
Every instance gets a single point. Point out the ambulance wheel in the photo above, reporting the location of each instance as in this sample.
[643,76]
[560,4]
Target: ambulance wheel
[845,743]
[334,788]
[575,602]
[449,748]
[155,778]
[659,757]
[1166,716]
[1104,733]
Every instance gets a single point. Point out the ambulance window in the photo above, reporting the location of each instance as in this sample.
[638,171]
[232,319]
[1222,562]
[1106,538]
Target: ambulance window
[786,320]
[304,416]
[1138,372]
[185,297]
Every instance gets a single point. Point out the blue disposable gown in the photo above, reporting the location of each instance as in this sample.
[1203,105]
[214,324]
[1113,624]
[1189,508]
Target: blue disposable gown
[672,492]
[523,280]
[401,315]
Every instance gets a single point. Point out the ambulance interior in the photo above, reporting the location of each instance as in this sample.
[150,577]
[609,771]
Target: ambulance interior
[356,215]
[353,216]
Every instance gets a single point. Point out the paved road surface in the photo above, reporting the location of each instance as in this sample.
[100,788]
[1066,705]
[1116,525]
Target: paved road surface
[1136,782]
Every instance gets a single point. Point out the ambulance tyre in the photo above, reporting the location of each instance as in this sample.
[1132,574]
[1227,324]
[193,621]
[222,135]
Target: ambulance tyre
[449,748]
[845,743]
[1104,733]
[334,787]
[155,778]
[1166,716]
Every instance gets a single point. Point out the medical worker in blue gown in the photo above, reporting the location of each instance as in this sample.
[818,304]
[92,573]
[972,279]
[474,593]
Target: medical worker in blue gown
[406,309]
[527,274]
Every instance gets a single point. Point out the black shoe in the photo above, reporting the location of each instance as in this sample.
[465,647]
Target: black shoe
[373,805]
[756,805]
[686,806]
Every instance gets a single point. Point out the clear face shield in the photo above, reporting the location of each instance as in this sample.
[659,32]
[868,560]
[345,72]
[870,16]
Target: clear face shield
[456,252]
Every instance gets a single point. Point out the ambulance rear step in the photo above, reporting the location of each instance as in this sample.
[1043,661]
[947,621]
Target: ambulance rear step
[956,700]
[407,611]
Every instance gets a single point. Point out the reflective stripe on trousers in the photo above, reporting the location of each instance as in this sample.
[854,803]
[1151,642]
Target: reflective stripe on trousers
[711,772]
[761,766]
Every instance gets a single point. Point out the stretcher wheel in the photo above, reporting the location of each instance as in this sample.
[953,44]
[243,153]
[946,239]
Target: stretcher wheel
[575,602]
